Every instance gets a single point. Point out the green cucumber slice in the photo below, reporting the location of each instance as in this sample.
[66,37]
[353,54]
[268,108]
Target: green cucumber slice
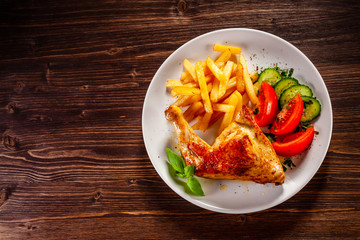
[269,75]
[291,92]
[284,84]
[312,109]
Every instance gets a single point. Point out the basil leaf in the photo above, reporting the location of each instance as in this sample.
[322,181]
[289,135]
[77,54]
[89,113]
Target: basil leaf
[175,160]
[180,175]
[189,170]
[195,186]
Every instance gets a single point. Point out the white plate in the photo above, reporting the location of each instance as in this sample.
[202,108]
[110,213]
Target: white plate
[261,50]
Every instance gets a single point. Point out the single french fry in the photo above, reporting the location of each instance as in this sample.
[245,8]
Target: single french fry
[218,74]
[228,69]
[209,87]
[240,86]
[199,69]
[231,99]
[190,100]
[173,83]
[208,72]
[202,122]
[248,83]
[214,95]
[227,72]
[180,100]
[208,78]
[177,83]
[232,82]
[224,57]
[246,99]
[194,110]
[205,121]
[228,117]
[192,84]
[222,107]
[189,67]
[239,103]
[196,125]
[215,70]
[234,70]
[184,74]
[227,94]
[182,90]
[186,77]
[223,48]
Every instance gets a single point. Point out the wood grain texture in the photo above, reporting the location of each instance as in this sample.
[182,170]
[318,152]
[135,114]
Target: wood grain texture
[73,77]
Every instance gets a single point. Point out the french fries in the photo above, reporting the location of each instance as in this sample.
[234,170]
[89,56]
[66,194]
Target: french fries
[224,57]
[215,89]
[185,91]
[248,83]
[220,75]
[190,68]
[228,116]
[199,69]
[222,48]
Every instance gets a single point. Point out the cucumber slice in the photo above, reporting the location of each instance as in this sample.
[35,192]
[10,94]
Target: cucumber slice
[284,84]
[269,75]
[312,109]
[291,92]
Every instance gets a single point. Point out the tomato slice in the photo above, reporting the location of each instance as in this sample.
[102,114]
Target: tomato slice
[294,143]
[268,105]
[289,117]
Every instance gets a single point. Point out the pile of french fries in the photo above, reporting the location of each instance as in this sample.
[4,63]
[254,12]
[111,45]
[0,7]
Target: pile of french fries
[215,89]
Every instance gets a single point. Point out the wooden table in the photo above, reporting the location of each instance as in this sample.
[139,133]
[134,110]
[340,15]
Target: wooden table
[73,77]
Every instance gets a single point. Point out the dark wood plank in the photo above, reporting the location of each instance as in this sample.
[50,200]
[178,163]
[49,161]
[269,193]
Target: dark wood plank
[73,77]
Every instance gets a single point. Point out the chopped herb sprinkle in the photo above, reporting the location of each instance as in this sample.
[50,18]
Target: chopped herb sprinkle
[287,163]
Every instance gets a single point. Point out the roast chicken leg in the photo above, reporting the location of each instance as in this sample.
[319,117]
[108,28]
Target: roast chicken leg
[241,151]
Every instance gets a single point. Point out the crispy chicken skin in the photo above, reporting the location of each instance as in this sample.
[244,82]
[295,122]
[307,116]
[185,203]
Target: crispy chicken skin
[241,151]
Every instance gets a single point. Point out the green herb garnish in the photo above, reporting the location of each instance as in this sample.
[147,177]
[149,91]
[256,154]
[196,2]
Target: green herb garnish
[291,71]
[270,136]
[307,103]
[189,171]
[287,163]
[284,72]
[183,171]
[176,161]
[304,126]
[195,186]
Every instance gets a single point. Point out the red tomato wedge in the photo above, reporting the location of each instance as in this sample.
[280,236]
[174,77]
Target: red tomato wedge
[294,143]
[289,117]
[268,105]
